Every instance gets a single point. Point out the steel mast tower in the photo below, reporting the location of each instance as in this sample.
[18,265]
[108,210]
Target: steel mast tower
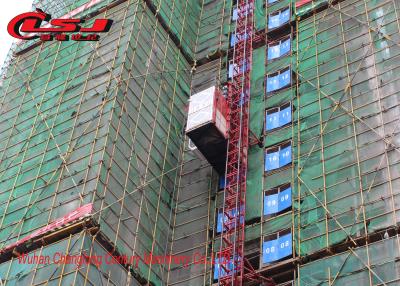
[234,270]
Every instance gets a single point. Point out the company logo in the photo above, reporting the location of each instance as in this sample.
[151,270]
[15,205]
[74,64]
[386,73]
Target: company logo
[28,26]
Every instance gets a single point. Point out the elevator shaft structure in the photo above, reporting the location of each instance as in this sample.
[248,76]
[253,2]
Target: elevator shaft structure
[233,268]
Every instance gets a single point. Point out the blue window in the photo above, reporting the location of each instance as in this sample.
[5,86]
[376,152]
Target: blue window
[279,49]
[278,80]
[277,200]
[278,117]
[278,157]
[278,19]
[274,250]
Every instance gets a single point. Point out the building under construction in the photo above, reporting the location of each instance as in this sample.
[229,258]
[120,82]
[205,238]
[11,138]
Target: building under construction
[261,138]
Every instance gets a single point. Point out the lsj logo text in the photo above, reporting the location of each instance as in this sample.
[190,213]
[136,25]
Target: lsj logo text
[29,26]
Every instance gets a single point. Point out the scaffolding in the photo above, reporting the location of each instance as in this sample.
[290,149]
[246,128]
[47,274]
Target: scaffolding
[345,164]
[196,203]
[98,123]
[53,269]
[347,113]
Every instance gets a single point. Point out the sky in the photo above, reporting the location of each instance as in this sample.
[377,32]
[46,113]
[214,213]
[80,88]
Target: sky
[8,10]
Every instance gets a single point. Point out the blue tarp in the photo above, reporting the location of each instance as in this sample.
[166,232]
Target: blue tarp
[233,39]
[231,70]
[274,52]
[273,83]
[219,222]
[285,116]
[278,202]
[285,156]
[222,183]
[272,1]
[285,46]
[273,21]
[285,199]
[234,14]
[277,20]
[284,16]
[217,266]
[279,50]
[271,161]
[284,78]
[220,217]
[278,119]
[278,81]
[272,120]
[271,204]
[274,250]
[278,159]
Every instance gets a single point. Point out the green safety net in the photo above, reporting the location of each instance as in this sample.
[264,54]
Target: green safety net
[214,29]
[89,122]
[259,14]
[183,18]
[348,182]
[256,154]
[96,270]
[379,262]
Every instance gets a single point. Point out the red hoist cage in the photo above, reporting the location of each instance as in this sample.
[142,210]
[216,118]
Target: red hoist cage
[234,269]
